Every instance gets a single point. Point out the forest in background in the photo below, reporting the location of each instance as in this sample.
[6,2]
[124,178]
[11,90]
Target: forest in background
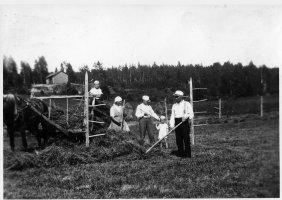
[222,80]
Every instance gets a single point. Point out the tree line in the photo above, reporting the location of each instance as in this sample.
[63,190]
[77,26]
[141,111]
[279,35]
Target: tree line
[222,80]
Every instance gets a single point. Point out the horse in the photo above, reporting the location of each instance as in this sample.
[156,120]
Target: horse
[18,115]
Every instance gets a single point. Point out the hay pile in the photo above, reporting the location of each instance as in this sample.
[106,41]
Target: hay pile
[76,116]
[112,146]
[75,120]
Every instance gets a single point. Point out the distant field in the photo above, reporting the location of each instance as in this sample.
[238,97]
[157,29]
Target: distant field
[233,160]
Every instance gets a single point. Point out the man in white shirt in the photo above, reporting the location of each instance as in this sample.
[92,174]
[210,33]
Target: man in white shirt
[182,112]
[144,113]
[95,92]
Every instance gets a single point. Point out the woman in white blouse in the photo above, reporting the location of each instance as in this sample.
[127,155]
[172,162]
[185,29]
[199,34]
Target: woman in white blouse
[117,116]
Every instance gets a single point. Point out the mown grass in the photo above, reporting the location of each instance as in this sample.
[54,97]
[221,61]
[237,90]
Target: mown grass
[229,160]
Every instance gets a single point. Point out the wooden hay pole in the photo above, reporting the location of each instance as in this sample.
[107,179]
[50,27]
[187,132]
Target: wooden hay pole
[192,120]
[96,122]
[97,135]
[59,97]
[86,110]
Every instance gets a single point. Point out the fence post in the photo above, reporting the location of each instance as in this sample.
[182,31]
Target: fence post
[67,111]
[261,106]
[192,120]
[86,110]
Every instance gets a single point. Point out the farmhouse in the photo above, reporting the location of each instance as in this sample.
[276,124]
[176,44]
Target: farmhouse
[57,78]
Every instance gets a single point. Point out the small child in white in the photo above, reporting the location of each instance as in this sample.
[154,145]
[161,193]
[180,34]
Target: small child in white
[163,130]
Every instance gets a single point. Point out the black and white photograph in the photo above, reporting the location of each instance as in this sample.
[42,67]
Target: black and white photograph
[140,99]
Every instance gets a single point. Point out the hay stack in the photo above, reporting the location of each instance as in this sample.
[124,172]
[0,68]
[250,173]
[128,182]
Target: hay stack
[114,145]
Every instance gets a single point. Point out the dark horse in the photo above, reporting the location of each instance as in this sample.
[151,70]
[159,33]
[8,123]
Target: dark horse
[18,115]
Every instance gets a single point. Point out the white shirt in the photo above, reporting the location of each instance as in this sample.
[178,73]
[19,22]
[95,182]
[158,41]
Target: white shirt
[96,92]
[163,130]
[116,111]
[142,109]
[179,110]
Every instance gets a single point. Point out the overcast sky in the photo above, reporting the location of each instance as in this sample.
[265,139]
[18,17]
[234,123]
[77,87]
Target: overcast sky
[115,35]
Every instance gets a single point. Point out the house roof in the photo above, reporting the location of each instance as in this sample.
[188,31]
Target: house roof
[54,74]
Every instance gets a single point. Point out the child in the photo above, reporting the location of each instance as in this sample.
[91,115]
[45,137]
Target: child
[163,130]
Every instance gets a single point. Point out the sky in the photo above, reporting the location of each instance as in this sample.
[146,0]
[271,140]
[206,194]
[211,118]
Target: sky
[127,34]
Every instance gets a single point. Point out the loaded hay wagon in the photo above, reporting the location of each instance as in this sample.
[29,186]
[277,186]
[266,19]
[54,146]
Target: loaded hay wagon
[81,120]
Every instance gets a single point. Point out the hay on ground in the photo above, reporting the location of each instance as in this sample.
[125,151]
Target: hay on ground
[113,145]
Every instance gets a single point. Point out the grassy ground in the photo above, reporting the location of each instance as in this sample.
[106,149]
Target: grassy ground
[229,160]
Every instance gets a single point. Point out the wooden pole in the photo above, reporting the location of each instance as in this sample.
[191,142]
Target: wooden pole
[192,120]
[165,111]
[219,106]
[261,106]
[86,111]
[59,97]
[67,111]
[49,111]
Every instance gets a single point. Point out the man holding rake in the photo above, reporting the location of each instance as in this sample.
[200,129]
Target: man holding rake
[144,113]
[182,112]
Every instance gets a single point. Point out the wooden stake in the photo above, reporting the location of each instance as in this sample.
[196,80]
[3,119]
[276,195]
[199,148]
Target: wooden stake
[67,111]
[86,111]
[192,120]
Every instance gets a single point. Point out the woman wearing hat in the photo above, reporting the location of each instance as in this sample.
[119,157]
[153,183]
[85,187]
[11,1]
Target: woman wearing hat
[144,113]
[182,111]
[117,116]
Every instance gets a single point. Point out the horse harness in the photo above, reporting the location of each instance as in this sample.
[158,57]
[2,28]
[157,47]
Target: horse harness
[28,103]
[20,111]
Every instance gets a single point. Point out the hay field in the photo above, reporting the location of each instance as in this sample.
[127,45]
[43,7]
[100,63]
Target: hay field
[228,160]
